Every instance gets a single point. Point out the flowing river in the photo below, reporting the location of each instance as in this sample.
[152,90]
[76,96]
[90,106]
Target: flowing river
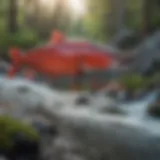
[86,131]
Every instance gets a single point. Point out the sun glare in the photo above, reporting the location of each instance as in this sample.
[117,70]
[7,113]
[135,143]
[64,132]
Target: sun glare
[77,6]
[43,1]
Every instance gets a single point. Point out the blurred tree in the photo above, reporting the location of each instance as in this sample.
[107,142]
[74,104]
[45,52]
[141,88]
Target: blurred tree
[44,18]
[147,16]
[95,21]
[62,16]
[155,18]
[134,14]
[12,20]
[105,18]
[77,28]
[3,13]
[116,18]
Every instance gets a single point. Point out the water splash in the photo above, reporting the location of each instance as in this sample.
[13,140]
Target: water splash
[118,137]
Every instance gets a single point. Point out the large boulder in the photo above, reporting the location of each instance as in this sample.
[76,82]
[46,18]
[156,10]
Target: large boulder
[23,148]
[154,108]
[18,139]
[125,39]
[146,54]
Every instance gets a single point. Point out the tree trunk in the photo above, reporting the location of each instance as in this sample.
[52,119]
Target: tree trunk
[13,12]
[116,16]
[111,18]
[121,10]
[147,17]
[60,15]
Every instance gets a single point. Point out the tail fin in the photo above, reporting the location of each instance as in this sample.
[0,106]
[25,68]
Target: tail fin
[57,37]
[16,60]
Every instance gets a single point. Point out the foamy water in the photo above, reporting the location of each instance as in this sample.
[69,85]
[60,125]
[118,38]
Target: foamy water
[134,135]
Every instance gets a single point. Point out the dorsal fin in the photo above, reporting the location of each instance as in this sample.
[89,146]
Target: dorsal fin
[57,37]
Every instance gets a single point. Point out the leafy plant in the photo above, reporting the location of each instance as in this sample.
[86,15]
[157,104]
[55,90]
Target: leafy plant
[154,79]
[11,127]
[134,81]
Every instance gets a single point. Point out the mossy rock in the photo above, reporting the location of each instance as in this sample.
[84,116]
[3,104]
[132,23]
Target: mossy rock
[10,127]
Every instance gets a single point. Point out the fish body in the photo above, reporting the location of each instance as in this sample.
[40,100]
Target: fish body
[61,57]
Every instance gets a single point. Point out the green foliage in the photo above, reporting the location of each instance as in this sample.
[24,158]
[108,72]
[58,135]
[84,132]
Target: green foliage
[95,21]
[45,18]
[101,21]
[155,20]
[134,81]
[3,14]
[23,39]
[154,79]
[10,127]
[134,14]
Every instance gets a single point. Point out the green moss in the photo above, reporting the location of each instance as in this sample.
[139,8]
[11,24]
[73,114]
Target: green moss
[134,81]
[9,127]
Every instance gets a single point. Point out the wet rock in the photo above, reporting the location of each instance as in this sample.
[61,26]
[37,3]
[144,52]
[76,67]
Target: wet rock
[154,110]
[115,139]
[129,95]
[23,89]
[112,110]
[125,39]
[73,157]
[82,100]
[112,94]
[3,154]
[24,149]
[66,148]
[2,158]
[144,60]
[4,67]
[45,129]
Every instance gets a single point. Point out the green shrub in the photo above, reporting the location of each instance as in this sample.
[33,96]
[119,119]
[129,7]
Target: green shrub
[134,81]
[9,127]
[154,79]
